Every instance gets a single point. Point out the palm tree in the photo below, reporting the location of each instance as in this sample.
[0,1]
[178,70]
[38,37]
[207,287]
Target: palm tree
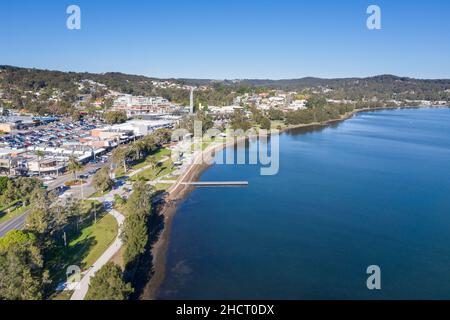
[40,154]
[138,147]
[149,143]
[153,163]
[120,156]
[74,166]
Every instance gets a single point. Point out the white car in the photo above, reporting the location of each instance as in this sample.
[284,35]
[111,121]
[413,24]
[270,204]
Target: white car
[48,178]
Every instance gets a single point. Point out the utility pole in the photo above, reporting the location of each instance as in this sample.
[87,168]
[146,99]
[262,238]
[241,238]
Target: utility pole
[82,190]
[191,105]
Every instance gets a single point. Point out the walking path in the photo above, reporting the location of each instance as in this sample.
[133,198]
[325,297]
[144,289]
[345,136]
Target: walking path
[83,286]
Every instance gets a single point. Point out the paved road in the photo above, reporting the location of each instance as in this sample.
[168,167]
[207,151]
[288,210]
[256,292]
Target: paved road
[16,223]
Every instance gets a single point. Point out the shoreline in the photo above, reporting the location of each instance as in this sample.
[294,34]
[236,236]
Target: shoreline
[176,193]
[179,192]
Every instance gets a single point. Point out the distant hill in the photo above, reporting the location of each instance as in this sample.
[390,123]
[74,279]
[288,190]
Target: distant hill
[382,87]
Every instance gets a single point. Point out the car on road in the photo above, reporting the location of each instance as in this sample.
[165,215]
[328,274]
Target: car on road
[93,171]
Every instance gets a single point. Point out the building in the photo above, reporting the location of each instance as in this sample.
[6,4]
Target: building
[136,127]
[139,105]
[46,166]
[7,127]
[297,105]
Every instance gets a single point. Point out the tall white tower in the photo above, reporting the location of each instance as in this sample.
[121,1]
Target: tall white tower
[192,101]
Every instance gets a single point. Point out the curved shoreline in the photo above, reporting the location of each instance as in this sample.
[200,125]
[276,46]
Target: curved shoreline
[178,192]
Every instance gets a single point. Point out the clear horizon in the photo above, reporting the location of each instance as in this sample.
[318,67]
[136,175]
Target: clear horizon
[230,40]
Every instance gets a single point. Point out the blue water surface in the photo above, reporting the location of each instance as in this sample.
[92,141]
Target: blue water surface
[373,190]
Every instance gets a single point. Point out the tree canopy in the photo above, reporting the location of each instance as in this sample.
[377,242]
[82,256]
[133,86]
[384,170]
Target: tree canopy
[108,284]
[21,267]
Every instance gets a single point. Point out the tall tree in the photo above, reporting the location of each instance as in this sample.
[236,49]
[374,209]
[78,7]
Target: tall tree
[74,166]
[102,181]
[21,267]
[134,232]
[120,157]
[113,117]
[108,284]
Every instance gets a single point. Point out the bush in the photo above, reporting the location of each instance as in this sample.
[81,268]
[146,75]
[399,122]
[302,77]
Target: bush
[108,284]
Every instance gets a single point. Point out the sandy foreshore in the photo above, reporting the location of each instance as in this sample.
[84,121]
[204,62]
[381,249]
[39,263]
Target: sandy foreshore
[179,191]
[176,193]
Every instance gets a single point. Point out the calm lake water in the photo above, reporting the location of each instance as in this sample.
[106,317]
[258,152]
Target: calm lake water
[373,190]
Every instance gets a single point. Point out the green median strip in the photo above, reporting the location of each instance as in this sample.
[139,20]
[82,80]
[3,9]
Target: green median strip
[6,216]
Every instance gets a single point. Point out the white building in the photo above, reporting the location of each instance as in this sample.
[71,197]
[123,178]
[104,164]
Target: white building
[141,127]
[297,105]
[139,105]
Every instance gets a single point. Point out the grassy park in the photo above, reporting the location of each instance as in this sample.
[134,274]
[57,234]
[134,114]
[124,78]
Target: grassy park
[154,157]
[85,241]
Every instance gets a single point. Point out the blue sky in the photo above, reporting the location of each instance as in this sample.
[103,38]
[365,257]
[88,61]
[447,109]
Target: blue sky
[230,39]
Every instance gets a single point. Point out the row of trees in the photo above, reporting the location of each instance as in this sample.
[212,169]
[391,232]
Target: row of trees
[134,232]
[109,283]
[139,149]
[319,110]
[20,188]
[188,122]
[27,260]
[114,117]
[260,118]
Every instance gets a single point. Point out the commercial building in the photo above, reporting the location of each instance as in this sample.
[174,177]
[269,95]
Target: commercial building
[139,105]
[136,127]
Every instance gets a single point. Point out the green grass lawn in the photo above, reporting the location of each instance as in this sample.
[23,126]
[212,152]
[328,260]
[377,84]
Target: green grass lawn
[99,236]
[162,186]
[278,123]
[161,154]
[149,174]
[14,213]
[158,155]
[84,245]
[98,194]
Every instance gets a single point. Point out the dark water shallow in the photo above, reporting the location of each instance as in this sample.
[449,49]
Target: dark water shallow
[371,190]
